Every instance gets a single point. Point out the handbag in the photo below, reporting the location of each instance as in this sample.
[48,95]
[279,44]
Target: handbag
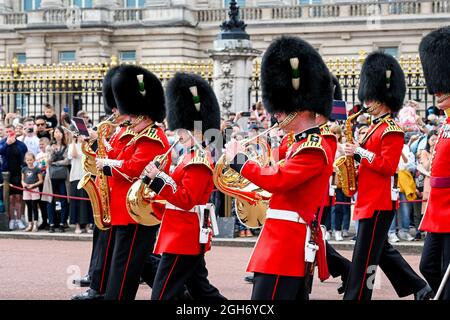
[58,172]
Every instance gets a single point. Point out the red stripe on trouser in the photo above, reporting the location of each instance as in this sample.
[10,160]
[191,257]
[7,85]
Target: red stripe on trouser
[104,262]
[167,280]
[275,288]
[368,256]
[128,262]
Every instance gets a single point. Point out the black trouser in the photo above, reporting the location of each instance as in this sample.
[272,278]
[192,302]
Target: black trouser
[32,210]
[132,243]
[95,235]
[101,259]
[435,260]
[326,218]
[150,268]
[43,207]
[337,264]
[373,249]
[275,287]
[175,271]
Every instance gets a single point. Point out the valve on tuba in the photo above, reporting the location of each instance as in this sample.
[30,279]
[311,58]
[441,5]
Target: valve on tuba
[140,198]
[251,201]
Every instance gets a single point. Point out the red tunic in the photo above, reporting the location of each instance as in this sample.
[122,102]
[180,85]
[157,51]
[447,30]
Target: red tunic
[148,144]
[298,185]
[385,141]
[437,213]
[190,184]
[331,140]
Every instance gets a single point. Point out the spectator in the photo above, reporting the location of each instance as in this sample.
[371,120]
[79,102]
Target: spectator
[19,131]
[58,158]
[80,210]
[31,179]
[29,137]
[42,162]
[425,162]
[12,118]
[408,118]
[50,116]
[2,131]
[13,152]
[85,116]
[41,128]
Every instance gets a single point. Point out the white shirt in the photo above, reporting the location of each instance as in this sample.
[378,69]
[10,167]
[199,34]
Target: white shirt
[32,143]
[76,171]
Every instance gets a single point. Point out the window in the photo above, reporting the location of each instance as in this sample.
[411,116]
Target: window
[241,3]
[66,56]
[29,5]
[306,2]
[134,3]
[82,3]
[21,57]
[393,51]
[127,55]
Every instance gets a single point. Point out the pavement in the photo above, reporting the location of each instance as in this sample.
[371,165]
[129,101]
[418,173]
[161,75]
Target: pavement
[32,269]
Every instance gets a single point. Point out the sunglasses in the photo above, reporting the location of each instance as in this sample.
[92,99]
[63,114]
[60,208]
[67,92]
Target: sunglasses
[40,124]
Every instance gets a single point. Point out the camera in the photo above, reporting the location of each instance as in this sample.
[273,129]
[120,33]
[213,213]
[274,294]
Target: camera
[30,130]
[245,114]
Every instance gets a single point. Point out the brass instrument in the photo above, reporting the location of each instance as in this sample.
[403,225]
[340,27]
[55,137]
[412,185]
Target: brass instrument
[345,165]
[98,191]
[140,196]
[251,201]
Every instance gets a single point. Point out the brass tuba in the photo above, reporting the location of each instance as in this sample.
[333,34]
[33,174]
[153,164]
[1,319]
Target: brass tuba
[140,196]
[345,165]
[98,191]
[251,201]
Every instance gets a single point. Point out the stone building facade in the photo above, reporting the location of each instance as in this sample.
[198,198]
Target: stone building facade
[53,31]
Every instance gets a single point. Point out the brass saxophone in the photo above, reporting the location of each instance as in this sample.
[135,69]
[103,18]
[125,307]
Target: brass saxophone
[98,191]
[345,165]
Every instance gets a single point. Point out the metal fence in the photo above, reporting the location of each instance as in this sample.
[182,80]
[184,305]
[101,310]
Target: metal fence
[26,88]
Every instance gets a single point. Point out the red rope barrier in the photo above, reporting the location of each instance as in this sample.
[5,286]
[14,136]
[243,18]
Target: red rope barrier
[49,194]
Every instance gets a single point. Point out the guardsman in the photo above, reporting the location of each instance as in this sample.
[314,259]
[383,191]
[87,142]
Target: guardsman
[296,85]
[434,54]
[139,97]
[185,233]
[382,88]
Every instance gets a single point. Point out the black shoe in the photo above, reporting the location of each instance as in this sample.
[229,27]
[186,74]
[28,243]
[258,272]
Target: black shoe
[83,282]
[61,229]
[426,293]
[341,288]
[65,226]
[90,294]
[43,226]
[418,236]
[51,229]
[249,279]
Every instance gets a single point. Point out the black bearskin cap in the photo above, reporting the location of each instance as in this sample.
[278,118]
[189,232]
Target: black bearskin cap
[337,94]
[315,92]
[108,96]
[129,97]
[181,109]
[375,85]
[434,52]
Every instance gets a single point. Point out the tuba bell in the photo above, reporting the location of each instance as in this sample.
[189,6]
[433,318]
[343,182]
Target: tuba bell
[251,201]
[140,197]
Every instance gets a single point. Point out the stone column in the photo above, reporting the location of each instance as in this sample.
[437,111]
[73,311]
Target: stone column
[233,57]
[52,4]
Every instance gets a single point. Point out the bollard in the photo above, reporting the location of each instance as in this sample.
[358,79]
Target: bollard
[4,216]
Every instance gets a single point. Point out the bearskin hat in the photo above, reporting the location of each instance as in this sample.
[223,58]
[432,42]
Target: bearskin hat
[190,98]
[108,96]
[382,79]
[295,78]
[337,94]
[137,91]
[434,50]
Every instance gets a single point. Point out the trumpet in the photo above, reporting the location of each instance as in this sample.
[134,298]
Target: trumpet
[140,196]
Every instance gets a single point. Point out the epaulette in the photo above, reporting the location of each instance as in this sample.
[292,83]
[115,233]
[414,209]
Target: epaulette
[151,132]
[314,141]
[392,127]
[128,132]
[200,157]
[325,130]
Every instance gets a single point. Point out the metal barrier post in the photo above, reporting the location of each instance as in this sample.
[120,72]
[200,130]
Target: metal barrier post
[4,216]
